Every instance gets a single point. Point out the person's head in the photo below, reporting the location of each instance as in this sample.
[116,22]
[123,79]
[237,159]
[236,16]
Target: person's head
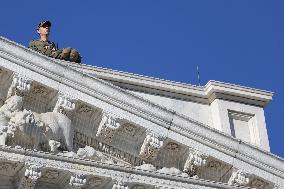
[43,29]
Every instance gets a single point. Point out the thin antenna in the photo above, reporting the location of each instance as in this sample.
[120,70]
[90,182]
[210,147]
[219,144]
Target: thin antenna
[198,75]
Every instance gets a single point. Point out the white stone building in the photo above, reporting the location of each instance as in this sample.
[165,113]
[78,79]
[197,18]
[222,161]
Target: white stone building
[65,125]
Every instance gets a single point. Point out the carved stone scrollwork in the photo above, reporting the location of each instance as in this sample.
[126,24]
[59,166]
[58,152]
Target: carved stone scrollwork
[77,181]
[195,161]
[239,178]
[151,146]
[32,174]
[20,86]
[119,185]
[64,104]
[107,128]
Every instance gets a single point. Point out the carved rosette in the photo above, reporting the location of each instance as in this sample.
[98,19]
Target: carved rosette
[77,181]
[107,128]
[195,161]
[20,86]
[32,174]
[119,185]
[151,146]
[64,104]
[239,178]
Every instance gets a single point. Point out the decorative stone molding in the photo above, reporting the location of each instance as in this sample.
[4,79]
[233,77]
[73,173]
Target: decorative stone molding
[239,178]
[119,185]
[107,128]
[32,174]
[151,146]
[77,181]
[195,161]
[20,86]
[64,104]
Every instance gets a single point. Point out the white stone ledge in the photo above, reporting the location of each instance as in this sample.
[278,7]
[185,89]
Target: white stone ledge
[203,94]
[115,172]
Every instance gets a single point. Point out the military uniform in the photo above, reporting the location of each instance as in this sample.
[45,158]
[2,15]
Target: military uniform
[50,49]
[45,47]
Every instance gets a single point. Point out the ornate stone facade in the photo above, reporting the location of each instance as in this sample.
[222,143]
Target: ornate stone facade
[55,132]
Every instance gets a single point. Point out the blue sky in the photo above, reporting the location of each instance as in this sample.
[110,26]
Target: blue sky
[239,42]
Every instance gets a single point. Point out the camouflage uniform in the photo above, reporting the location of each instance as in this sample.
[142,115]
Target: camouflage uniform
[50,49]
[45,47]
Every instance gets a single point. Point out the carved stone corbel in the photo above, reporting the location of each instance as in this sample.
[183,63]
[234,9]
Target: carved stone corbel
[151,146]
[20,86]
[64,104]
[195,161]
[107,128]
[32,174]
[77,181]
[239,178]
[118,184]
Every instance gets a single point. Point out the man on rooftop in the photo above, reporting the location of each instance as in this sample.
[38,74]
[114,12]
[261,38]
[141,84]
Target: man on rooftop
[44,46]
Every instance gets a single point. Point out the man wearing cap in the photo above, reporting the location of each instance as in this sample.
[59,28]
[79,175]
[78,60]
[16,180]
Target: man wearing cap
[44,46]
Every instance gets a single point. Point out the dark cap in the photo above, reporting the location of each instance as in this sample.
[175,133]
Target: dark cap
[43,23]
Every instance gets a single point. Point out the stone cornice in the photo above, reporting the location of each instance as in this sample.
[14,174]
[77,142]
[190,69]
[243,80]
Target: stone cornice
[203,94]
[64,77]
[90,167]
